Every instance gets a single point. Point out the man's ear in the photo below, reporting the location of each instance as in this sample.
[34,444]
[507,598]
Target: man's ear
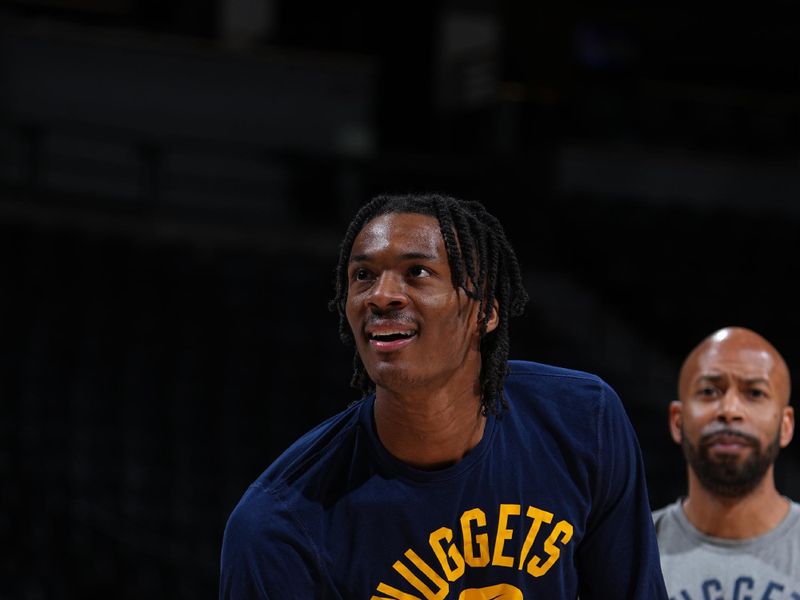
[787,426]
[676,421]
[494,317]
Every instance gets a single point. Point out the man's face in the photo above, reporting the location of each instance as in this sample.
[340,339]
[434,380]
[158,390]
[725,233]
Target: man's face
[727,474]
[733,415]
[412,328]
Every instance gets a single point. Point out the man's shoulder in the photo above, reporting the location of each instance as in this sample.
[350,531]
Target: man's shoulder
[560,399]
[530,367]
[272,500]
[659,513]
[663,515]
[526,368]
[312,451]
[558,384]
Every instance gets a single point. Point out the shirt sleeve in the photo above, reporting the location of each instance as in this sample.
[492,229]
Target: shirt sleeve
[265,552]
[618,557]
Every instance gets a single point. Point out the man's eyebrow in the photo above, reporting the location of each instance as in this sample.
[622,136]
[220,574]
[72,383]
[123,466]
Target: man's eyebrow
[757,380]
[405,256]
[710,378]
[716,378]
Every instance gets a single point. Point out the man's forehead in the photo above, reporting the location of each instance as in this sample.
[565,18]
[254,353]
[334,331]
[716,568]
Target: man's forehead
[411,229]
[743,362]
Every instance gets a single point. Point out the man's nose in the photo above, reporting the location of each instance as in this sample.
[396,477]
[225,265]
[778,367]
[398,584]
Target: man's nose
[387,293]
[730,406]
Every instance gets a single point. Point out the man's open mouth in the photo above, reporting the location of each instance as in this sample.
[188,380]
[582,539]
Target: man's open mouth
[390,339]
[391,336]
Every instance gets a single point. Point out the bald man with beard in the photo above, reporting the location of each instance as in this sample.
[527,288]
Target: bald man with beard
[733,536]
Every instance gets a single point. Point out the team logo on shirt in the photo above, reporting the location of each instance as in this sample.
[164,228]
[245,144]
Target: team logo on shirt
[745,587]
[480,546]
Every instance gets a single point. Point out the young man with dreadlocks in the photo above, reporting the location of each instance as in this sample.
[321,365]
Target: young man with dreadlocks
[460,474]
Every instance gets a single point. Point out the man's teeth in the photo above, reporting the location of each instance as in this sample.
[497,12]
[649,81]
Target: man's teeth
[386,334]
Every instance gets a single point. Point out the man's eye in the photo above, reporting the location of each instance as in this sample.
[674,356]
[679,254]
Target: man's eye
[360,275]
[757,393]
[708,391]
[419,271]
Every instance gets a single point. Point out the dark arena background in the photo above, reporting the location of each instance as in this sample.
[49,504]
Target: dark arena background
[175,176]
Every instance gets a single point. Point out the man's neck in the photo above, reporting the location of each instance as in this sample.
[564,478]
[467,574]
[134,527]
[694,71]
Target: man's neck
[431,432]
[744,517]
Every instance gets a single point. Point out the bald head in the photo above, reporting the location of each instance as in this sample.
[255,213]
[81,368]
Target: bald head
[741,349]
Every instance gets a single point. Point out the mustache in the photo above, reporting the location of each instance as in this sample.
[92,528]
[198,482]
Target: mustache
[394,317]
[710,437]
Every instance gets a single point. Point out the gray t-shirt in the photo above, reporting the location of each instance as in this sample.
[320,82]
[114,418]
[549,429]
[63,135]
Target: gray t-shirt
[701,567]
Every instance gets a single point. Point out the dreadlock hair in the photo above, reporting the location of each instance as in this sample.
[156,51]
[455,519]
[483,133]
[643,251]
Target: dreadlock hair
[482,263]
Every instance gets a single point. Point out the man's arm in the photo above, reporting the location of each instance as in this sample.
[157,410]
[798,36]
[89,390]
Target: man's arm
[618,557]
[264,554]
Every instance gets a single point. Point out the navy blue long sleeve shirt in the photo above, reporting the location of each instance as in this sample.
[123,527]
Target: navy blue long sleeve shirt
[552,503]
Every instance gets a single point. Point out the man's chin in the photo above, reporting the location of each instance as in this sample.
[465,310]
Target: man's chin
[392,376]
[731,477]
[724,460]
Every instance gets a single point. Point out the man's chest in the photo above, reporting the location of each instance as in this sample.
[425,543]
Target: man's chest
[407,541]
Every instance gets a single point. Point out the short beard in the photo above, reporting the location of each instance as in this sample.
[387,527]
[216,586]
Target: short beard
[727,477]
